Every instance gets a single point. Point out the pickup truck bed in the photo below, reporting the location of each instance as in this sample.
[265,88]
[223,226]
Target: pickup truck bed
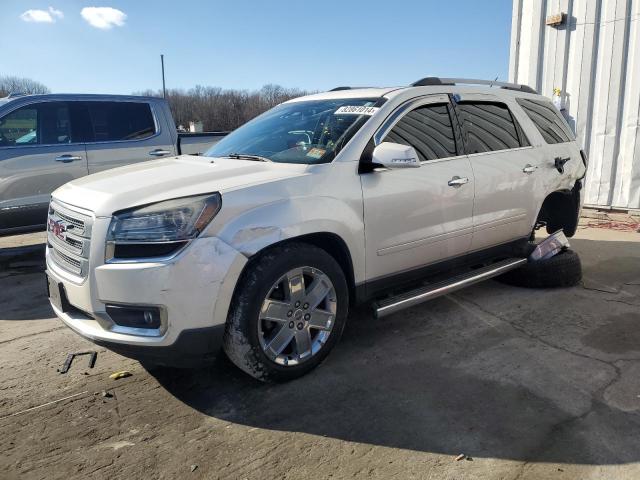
[198,143]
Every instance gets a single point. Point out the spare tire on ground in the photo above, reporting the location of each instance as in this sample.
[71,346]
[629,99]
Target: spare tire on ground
[561,270]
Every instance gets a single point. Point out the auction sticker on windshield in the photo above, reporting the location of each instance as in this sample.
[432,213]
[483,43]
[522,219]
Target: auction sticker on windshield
[355,110]
[316,153]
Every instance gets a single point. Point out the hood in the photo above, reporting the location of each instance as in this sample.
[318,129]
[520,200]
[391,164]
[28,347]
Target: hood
[157,180]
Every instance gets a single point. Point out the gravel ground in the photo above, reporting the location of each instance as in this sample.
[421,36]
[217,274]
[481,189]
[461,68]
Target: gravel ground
[525,383]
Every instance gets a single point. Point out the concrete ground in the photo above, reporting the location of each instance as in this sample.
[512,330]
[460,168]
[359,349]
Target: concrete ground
[527,384]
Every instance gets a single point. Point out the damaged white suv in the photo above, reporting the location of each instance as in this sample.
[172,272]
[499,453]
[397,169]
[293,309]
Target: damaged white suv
[389,196]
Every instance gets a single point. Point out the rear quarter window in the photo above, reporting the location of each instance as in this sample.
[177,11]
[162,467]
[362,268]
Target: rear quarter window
[548,120]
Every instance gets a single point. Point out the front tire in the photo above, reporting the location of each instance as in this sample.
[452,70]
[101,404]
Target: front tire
[288,311]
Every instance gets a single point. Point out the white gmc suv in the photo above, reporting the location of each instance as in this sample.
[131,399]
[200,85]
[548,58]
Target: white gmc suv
[389,196]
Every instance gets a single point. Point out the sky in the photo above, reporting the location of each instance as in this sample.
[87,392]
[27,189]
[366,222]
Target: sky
[114,46]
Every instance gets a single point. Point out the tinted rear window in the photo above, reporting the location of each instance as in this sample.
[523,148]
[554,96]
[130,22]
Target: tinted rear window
[547,119]
[487,126]
[115,121]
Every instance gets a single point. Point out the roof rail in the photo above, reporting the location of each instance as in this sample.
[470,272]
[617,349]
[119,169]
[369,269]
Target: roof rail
[337,89]
[428,81]
[16,94]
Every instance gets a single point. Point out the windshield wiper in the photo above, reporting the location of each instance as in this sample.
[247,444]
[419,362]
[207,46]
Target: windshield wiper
[246,156]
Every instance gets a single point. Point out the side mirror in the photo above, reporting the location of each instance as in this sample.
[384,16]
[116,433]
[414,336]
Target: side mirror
[395,155]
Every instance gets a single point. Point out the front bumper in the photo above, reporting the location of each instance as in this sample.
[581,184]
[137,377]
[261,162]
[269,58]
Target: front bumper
[192,348]
[192,289]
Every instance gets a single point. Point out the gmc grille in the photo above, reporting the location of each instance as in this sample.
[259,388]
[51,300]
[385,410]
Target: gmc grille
[69,238]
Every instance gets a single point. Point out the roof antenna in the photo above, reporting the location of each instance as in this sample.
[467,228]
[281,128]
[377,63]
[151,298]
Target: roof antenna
[494,80]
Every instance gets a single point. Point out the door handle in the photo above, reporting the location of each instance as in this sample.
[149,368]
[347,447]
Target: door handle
[68,158]
[457,181]
[528,168]
[559,163]
[158,152]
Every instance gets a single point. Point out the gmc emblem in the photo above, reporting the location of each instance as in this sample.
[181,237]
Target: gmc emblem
[57,228]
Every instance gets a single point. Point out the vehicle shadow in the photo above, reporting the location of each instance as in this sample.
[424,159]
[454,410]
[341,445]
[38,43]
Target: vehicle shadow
[489,372]
[29,257]
[23,294]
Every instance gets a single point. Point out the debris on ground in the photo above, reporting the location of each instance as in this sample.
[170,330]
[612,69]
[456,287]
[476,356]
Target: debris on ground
[620,221]
[120,374]
[194,468]
[106,394]
[93,355]
[628,226]
[550,246]
[462,456]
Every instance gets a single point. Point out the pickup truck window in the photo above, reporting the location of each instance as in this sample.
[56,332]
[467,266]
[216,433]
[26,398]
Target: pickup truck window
[429,130]
[304,132]
[40,124]
[487,126]
[117,121]
[547,120]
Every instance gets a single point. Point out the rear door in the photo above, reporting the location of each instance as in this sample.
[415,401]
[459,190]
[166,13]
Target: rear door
[125,132]
[561,159]
[418,216]
[40,150]
[505,168]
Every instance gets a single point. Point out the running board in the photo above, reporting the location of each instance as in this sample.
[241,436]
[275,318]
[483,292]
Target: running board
[387,306]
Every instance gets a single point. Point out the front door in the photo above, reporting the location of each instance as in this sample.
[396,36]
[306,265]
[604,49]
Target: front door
[418,216]
[38,153]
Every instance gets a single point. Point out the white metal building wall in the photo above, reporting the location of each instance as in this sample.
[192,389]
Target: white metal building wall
[594,58]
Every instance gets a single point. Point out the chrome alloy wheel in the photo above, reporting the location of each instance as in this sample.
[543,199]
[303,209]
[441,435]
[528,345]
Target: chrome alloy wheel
[297,316]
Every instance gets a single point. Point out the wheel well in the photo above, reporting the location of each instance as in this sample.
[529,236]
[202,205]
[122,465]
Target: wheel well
[330,243]
[561,210]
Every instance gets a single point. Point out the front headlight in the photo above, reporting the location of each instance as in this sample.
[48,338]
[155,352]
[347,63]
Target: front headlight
[168,225]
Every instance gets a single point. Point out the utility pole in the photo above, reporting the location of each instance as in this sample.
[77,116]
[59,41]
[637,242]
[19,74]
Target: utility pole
[164,90]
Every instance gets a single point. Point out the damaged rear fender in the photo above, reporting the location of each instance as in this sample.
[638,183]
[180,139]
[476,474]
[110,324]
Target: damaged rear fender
[561,210]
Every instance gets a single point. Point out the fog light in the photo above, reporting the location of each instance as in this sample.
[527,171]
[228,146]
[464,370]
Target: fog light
[135,317]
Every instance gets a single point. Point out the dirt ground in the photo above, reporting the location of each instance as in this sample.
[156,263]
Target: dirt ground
[526,383]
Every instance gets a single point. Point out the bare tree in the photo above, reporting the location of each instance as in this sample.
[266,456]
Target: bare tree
[11,84]
[222,110]
[218,109]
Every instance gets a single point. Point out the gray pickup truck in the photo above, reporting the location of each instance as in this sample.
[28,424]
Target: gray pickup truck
[49,140]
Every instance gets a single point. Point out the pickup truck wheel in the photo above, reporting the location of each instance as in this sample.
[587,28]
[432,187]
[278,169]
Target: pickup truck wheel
[561,270]
[288,312]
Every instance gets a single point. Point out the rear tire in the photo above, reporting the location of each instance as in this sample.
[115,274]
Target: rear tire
[561,270]
[288,311]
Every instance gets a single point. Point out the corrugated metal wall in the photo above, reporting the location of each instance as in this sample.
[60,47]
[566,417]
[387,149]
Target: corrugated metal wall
[594,57]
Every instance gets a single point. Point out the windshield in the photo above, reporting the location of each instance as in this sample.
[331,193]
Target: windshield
[300,132]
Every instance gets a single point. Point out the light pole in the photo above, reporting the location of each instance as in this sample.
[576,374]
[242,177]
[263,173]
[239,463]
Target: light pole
[164,90]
